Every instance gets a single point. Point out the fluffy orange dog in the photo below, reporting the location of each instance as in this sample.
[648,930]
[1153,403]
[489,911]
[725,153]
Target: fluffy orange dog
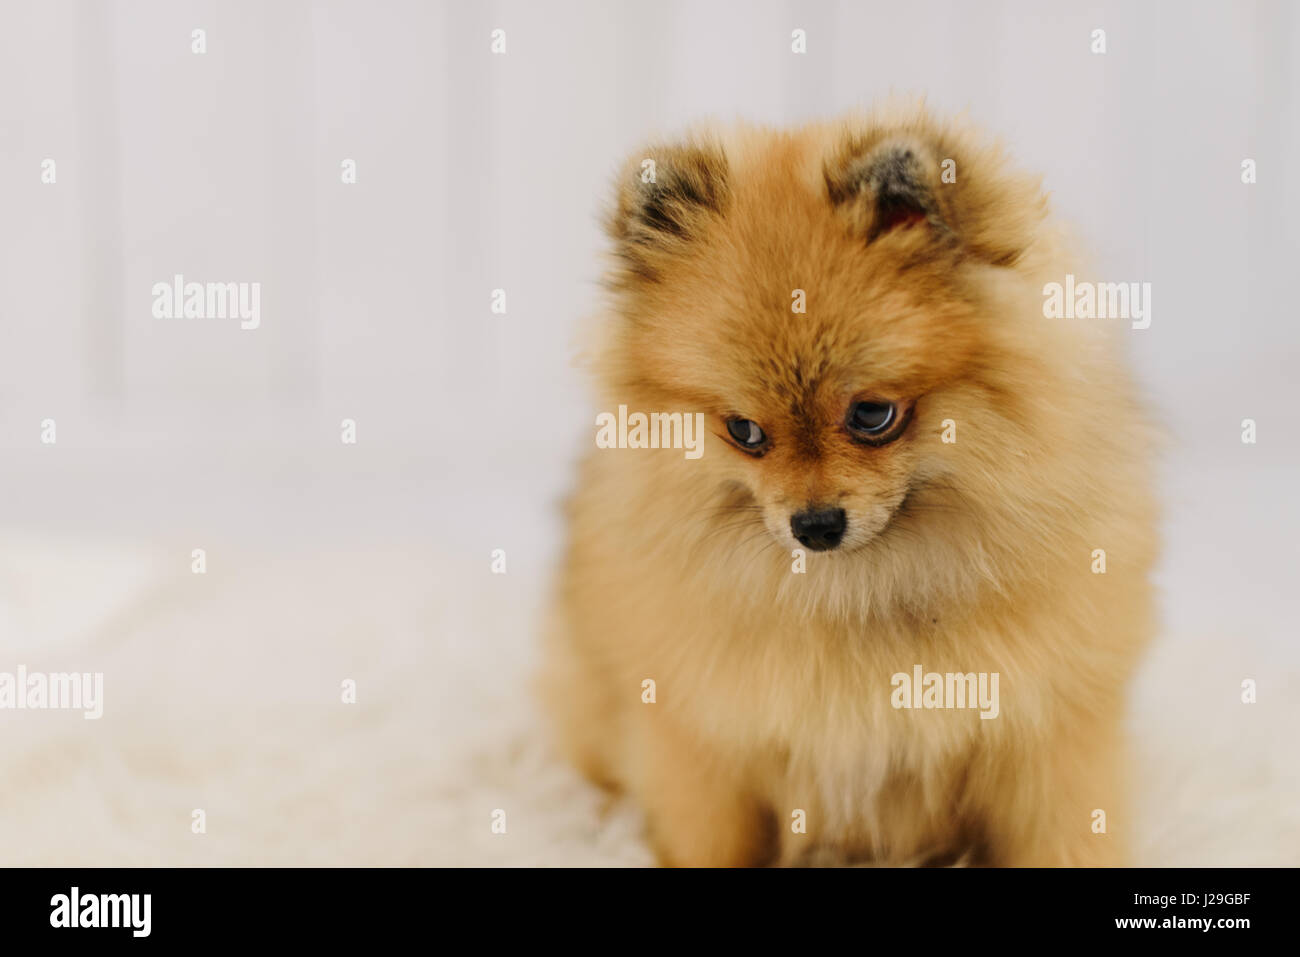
[888,615]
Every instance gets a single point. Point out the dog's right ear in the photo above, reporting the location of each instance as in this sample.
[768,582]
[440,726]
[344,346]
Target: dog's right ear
[665,200]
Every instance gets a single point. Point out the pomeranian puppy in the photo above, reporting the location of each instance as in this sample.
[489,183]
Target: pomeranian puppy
[886,611]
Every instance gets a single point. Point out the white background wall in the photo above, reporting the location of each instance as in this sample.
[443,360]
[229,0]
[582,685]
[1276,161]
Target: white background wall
[479,171]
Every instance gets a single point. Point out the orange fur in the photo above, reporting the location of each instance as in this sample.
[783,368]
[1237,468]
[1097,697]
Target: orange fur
[773,689]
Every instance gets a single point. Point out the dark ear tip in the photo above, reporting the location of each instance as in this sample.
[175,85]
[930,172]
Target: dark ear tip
[664,197]
[890,183]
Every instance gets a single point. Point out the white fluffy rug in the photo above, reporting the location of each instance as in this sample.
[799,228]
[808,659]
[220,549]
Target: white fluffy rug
[222,693]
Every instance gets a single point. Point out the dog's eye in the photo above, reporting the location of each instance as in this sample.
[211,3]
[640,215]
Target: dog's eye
[872,418]
[746,432]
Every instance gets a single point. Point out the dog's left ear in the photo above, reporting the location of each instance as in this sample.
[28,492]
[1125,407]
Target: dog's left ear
[962,199]
[892,185]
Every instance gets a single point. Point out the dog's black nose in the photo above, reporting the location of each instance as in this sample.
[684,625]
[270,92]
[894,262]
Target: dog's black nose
[818,528]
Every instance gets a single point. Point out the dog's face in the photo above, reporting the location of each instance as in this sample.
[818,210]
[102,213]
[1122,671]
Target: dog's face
[819,298]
